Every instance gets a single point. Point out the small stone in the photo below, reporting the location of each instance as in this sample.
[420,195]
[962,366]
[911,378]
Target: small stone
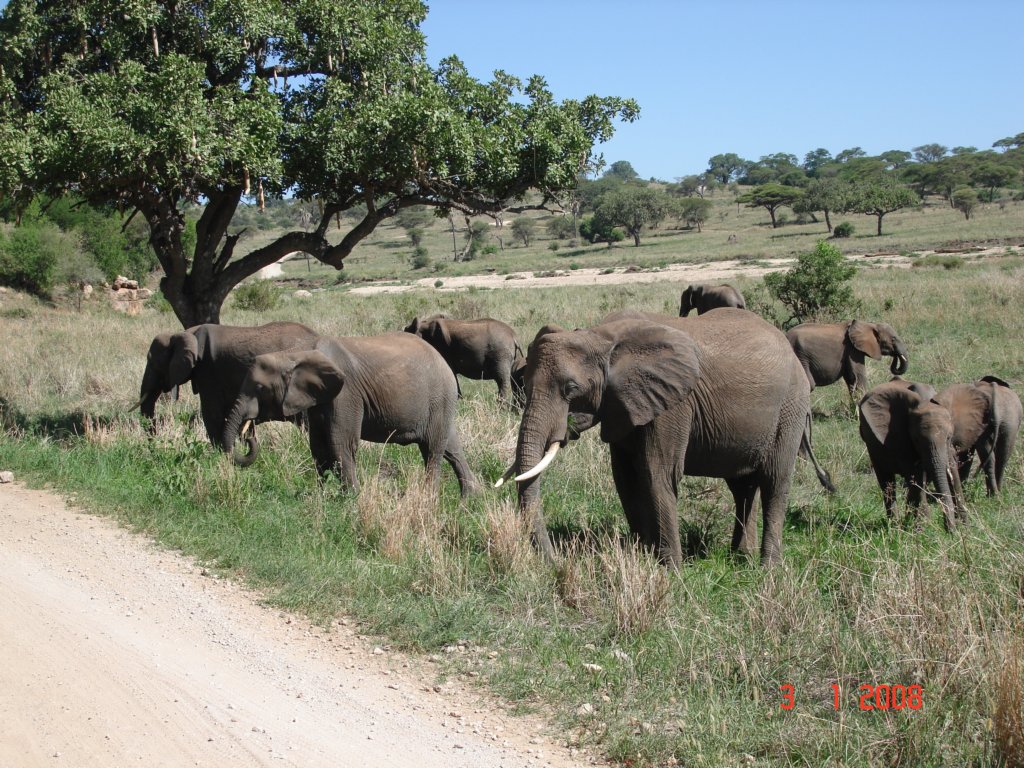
[302,294]
[585,710]
[595,668]
[378,651]
[6,477]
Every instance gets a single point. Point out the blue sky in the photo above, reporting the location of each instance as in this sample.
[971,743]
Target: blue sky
[757,78]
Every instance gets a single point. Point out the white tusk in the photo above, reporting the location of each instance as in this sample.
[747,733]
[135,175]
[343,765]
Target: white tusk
[508,473]
[246,426]
[541,465]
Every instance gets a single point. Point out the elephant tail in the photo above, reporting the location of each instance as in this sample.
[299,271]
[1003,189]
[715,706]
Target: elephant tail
[806,443]
[519,350]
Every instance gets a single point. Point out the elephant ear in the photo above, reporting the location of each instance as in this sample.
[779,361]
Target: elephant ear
[876,411]
[924,391]
[184,356]
[441,333]
[862,336]
[414,326]
[313,380]
[651,368]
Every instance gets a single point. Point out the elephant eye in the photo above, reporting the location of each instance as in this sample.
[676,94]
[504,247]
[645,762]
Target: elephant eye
[570,389]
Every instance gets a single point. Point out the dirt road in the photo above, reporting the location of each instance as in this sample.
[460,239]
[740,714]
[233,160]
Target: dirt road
[114,652]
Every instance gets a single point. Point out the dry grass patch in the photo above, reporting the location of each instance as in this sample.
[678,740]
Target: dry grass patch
[1008,720]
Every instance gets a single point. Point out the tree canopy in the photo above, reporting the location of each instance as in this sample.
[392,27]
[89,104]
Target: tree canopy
[771,197]
[149,106]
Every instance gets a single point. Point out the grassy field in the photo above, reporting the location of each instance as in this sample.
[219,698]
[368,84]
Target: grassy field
[731,232]
[649,667]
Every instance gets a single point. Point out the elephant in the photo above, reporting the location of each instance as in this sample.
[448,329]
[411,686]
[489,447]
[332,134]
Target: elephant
[476,349]
[519,367]
[216,359]
[830,350]
[986,420]
[393,388]
[704,298]
[909,433]
[673,396]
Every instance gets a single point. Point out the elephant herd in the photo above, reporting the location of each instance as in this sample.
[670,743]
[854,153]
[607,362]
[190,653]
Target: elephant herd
[722,394]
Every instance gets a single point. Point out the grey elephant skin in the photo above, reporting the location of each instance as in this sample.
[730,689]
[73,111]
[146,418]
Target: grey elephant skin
[393,388]
[477,349]
[830,351]
[216,359]
[986,420]
[719,395]
[909,434]
[704,298]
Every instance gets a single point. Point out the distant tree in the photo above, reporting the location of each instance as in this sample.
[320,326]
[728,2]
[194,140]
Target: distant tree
[622,170]
[828,195]
[561,228]
[963,150]
[590,191]
[694,211]
[771,197]
[965,200]
[814,159]
[948,174]
[1010,142]
[862,169]
[850,154]
[929,153]
[727,167]
[780,168]
[634,208]
[993,174]
[415,216]
[477,233]
[524,229]
[881,198]
[895,159]
[596,229]
[696,184]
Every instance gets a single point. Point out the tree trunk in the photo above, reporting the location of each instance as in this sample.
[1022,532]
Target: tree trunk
[636,239]
[880,215]
[828,221]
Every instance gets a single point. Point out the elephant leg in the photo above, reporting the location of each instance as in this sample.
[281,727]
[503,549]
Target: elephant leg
[1003,449]
[987,460]
[744,532]
[649,499]
[627,484]
[855,374]
[887,484]
[213,419]
[431,464]
[456,458]
[774,496]
[964,463]
[916,496]
[332,446]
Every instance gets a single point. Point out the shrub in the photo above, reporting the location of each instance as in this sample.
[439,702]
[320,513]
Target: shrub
[415,235]
[944,260]
[30,256]
[552,246]
[561,227]
[420,259]
[817,288]
[257,296]
[845,229]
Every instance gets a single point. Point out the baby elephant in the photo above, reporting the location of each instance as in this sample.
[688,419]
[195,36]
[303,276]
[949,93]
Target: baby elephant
[392,388]
[476,349]
[908,433]
[704,298]
[986,420]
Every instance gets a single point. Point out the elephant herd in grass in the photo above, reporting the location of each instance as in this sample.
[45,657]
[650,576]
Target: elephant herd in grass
[720,394]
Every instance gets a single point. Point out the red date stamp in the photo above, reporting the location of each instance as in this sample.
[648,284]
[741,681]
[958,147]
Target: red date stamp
[869,697]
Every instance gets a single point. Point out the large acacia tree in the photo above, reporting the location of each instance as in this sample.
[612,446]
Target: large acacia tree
[154,105]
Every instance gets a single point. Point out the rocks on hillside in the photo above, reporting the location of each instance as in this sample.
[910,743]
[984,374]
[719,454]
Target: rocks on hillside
[127,297]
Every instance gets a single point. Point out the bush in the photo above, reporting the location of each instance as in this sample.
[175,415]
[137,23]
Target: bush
[845,229]
[944,260]
[257,296]
[817,288]
[420,258]
[561,227]
[30,256]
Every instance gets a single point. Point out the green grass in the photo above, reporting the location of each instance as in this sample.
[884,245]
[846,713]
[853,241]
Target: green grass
[651,668]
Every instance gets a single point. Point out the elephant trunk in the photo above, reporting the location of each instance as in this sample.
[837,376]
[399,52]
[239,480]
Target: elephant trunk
[900,362]
[240,415]
[941,469]
[529,452]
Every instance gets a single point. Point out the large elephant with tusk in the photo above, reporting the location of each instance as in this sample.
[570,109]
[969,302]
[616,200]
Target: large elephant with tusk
[830,351]
[216,359]
[719,395]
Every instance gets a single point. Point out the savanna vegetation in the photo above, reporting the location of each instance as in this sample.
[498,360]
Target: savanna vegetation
[651,667]
[132,140]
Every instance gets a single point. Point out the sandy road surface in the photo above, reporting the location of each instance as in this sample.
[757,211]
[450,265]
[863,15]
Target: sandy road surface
[116,653]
